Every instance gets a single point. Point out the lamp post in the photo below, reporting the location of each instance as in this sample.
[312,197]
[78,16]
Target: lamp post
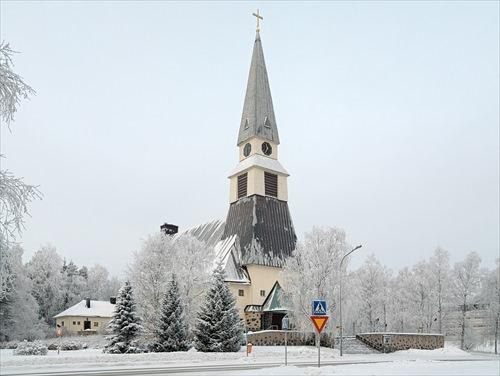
[340,293]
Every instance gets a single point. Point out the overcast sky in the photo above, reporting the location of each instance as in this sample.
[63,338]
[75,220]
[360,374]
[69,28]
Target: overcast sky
[388,115]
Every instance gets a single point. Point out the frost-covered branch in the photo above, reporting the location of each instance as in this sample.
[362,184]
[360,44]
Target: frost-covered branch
[15,195]
[12,87]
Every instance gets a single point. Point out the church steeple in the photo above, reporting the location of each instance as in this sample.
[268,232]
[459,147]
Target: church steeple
[258,118]
[258,221]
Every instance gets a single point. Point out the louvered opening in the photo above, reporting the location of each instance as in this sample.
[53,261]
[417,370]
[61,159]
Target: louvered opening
[271,184]
[246,123]
[242,185]
[267,123]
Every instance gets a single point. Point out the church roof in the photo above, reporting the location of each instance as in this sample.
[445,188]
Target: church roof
[264,230]
[225,250]
[259,161]
[258,118]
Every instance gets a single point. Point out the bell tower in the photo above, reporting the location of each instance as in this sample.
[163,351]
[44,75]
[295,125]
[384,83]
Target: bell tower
[258,212]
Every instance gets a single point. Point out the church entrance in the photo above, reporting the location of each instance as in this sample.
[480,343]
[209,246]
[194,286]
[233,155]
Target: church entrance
[272,320]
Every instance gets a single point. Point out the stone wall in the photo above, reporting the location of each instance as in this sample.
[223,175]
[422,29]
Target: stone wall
[294,338]
[252,320]
[389,342]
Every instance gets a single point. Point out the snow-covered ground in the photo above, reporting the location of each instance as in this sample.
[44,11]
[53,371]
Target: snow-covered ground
[400,367]
[448,360]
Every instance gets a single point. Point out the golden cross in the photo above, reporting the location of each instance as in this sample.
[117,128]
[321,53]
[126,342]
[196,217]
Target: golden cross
[259,17]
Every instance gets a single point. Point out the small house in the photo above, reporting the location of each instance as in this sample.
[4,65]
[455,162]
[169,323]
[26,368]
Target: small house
[86,317]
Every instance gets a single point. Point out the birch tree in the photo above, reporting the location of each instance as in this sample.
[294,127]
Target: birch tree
[312,272]
[439,267]
[466,279]
[15,194]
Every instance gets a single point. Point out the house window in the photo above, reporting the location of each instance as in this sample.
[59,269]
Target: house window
[241,293]
[271,184]
[242,185]
[74,322]
[262,292]
[62,323]
[96,323]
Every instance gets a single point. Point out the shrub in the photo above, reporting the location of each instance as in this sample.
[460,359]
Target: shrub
[31,348]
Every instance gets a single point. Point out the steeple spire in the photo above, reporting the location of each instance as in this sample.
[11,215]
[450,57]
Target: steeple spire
[258,113]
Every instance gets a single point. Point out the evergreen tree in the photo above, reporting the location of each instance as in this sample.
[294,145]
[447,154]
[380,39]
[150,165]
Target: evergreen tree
[218,327]
[172,332]
[125,325]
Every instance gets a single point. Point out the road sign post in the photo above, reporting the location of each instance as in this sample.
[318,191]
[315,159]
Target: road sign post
[319,319]
[285,325]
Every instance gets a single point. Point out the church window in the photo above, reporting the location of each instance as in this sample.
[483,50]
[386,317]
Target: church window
[246,123]
[242,185]
[271,184]
[262,292]
[241,293]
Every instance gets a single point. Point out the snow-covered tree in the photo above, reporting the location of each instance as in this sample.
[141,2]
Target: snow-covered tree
[466,278]
[125,325]
[44,270]
[12,86]
[219,327]
[72,287]
[160,256]
[403,318]
[15,194]
[421,290]
[373,282]
[490,296]
[439,275]
[18,309]
[172,331]
[99,284]
[312,272]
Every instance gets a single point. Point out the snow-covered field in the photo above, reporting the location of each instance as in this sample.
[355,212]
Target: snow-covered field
[449,360]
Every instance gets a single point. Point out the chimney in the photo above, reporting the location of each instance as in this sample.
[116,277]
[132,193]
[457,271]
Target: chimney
[112,299]
[87,302]
[169,229]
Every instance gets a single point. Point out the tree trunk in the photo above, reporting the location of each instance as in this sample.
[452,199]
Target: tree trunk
[496,335]
[462,334]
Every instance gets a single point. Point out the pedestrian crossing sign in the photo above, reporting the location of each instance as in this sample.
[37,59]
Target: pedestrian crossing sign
[319,307]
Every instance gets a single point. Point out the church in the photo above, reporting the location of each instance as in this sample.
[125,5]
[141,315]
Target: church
[258,235]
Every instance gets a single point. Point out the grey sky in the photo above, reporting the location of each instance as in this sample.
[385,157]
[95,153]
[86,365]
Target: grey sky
[388,117]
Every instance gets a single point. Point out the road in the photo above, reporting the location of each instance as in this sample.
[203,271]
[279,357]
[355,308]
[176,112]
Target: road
[207,369]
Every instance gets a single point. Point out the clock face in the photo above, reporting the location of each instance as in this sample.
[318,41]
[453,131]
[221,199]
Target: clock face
[247,149]
[267,149]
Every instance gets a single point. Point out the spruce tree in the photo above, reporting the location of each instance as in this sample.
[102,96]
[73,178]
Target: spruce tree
[219,327]
[125,325]
[172,331]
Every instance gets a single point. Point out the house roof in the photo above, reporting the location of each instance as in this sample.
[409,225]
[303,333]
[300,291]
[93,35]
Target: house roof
[275,300]
[98,308]
[258,113]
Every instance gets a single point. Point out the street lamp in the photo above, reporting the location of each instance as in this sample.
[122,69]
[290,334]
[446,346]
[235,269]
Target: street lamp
[340,293]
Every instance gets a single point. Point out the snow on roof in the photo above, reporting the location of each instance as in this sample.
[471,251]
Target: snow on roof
[259,161]
[98,308]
